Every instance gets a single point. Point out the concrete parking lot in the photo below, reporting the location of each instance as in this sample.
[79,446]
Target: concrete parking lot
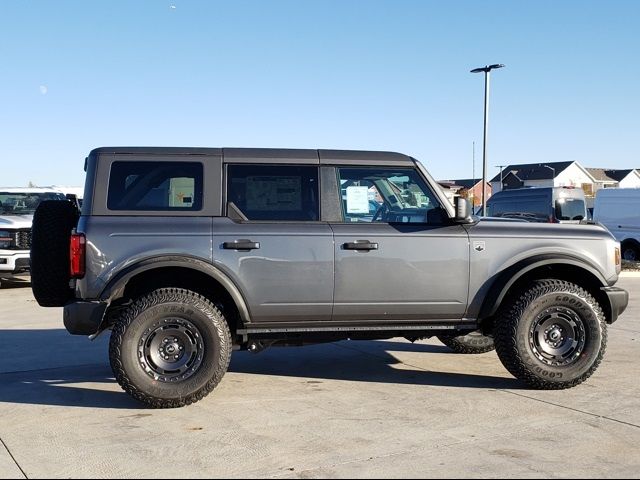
[349,409]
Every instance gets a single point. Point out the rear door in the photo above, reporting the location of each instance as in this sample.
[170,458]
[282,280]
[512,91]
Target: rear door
[273,244]
[402,260]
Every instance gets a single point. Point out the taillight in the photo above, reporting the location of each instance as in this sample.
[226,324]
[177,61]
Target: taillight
[77,255]
[618,260]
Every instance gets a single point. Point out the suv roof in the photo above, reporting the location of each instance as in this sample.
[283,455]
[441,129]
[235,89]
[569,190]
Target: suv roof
[263,154]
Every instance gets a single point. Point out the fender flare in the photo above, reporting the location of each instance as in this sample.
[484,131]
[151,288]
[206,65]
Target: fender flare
[504,280]
[116,286]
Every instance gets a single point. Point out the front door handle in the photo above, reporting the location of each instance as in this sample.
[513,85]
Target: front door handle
[360,245]
[241,245]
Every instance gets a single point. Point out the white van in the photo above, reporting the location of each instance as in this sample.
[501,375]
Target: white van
[618,209]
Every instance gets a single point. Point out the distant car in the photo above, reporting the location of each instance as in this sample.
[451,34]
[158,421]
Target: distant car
[541,205]
[617,209]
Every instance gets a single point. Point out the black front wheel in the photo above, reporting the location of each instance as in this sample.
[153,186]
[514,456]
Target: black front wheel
[630,251]
[552,335]
[170,348]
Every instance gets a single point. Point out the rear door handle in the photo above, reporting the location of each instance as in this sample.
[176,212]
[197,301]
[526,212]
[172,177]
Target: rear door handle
[360,245]
[241,245]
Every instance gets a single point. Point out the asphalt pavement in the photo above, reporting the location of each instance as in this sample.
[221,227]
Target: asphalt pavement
[384,409]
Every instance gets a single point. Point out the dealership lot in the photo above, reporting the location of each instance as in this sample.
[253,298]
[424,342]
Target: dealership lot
[348,409]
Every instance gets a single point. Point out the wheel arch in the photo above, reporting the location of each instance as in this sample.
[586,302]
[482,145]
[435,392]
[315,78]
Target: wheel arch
[179,271]
[630,242]
[560,267]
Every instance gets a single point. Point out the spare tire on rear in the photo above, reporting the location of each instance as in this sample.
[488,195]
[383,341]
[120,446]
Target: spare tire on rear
[53,222]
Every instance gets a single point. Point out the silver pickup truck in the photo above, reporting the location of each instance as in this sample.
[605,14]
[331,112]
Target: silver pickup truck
[186,254]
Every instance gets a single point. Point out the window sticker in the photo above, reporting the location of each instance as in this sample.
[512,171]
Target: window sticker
[274,193]
[357,200]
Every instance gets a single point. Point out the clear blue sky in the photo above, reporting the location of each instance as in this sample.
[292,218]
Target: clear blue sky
[381,75]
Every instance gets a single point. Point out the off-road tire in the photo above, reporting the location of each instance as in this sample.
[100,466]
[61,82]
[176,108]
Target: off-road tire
[519,329]
[472,343]
[53,222]
[160,310]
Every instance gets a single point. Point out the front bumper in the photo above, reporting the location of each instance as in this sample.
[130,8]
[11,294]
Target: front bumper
[14,263]
[83,318]
[618,300]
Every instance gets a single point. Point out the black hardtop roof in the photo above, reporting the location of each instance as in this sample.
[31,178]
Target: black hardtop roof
[261,153]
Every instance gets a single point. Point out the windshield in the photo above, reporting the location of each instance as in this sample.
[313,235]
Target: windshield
[531,208]
[570,209]
[24,203]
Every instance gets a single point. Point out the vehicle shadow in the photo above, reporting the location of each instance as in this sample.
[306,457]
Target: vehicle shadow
[363,361]
[13,283]
[51,367]
[70,386]
[82,377]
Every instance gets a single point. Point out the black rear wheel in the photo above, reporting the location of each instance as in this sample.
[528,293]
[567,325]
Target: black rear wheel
[553,335]
[170,348]
[472,343]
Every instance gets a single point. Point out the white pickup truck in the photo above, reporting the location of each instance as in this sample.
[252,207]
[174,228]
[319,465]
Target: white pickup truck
[17,206]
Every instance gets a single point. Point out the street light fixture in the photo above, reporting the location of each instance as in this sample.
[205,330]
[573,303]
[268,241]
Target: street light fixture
[501,167]
[487,74]
[553,179]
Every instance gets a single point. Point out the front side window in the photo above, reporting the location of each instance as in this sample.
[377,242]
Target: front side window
[155,186]
[387,195]
[274,192]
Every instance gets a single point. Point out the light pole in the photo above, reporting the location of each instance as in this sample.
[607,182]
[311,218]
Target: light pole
[553,179]
[501,167]
[487,75]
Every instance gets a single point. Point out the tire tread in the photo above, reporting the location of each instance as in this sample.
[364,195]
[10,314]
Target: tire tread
[506,332]
[154,298]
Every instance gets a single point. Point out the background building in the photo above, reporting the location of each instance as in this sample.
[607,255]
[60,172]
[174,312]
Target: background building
[606,178]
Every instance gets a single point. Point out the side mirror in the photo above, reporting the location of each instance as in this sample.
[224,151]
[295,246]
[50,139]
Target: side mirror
[463,210]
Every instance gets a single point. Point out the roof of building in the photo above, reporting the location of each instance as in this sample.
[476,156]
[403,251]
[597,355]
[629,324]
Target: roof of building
[534,171]
[608,175]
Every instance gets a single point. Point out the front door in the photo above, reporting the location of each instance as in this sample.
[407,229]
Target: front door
[398,257]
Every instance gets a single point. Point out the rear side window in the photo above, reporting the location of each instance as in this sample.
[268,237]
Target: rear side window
[274,192]
[155,186]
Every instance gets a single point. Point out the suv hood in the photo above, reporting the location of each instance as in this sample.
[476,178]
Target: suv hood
[503,227]
[16,221]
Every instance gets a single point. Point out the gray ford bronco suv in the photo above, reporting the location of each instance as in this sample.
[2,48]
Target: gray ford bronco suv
[187,254]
